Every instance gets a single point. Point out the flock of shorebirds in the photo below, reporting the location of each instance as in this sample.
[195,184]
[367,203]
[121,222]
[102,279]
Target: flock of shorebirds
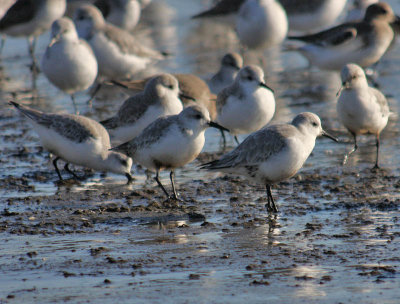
[161,126]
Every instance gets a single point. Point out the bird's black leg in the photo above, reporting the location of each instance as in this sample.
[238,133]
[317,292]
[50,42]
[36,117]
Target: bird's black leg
[130,178]
[377,152]
[236,139]
[55,166]
[66,167]
[159,183]
[96,90]
[271,203]
[172,176]
[223,138]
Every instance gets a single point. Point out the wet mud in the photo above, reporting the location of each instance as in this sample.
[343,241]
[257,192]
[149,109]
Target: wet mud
[334,240]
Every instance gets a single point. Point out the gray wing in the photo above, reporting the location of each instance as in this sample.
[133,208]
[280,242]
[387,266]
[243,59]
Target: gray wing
[128,44]
[130,111]
[382,101]
[149,136]
[256,148]
[224,94]
[74,127]
[20,12]
[333,36]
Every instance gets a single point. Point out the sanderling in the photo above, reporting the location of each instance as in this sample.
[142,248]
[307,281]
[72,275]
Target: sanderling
[78,140]
[231,63]
[69,62]
[190,86]
[119,55]
[361,109]
[170,142]
[159,98]
[31,19]
[363,42]
[312,15]
[274,153]
[261,23]
[248,104]
[122,13]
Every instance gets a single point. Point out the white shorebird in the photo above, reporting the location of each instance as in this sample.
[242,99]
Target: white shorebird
[78,140]
[69,62]
[194,88]
[261,23]
[119,55]
[361,109]
[273,154]
[122,13]
[159,98]
[363,43]
[31,18]
[231,63]
[312,15]
[248,104]
[170,142]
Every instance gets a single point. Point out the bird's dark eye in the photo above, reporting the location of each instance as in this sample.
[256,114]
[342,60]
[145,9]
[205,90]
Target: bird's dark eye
[249,78]
[170,86]
[314,124]
[198,116]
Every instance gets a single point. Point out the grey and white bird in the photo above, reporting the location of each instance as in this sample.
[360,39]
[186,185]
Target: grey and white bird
[159,98]
[170,142]
[361,109]
[248,104]
[261,23]
[119,55]
[78,140]
[122,13]
[31,18]
[193,90]
[274,153]
[363,43]
[231,63]
[69,62]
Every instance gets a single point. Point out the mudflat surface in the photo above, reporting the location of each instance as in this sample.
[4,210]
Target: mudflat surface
[334,240]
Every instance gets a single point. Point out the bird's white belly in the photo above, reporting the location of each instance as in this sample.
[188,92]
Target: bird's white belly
[172,151]
[70,66]
[112,62]
[249,115]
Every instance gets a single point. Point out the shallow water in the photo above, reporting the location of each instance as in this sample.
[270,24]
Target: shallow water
[334,240]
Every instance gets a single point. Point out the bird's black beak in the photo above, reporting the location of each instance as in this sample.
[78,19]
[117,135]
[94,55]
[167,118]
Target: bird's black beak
[344,84]
[262,84]
[326,134]
[217,126]
[181,95]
